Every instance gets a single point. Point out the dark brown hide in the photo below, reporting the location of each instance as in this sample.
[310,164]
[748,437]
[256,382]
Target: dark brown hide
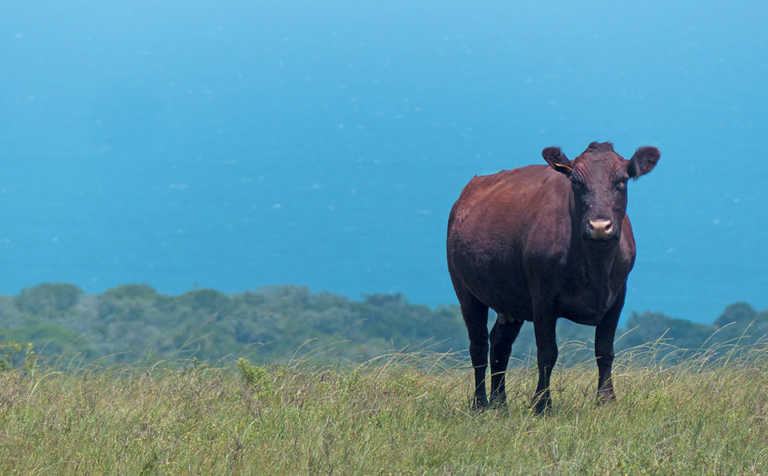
[542,242]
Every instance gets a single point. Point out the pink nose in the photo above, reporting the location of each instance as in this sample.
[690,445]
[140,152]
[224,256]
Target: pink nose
[600,229]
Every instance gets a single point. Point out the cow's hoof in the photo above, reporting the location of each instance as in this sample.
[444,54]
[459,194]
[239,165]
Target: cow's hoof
[605,396]
[479,404]
[541,405]
[499,403]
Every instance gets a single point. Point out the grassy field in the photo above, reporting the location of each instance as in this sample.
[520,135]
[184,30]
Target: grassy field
[406,414]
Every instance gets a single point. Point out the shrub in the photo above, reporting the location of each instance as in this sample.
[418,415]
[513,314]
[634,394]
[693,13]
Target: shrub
[48,298]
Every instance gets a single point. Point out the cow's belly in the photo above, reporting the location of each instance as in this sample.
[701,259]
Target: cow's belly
[587,306]
[504,293]
[510,300]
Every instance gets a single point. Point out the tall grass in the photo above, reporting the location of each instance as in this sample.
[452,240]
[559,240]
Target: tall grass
[401,413]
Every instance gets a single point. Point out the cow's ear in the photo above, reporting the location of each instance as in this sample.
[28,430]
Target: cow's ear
[643,161]
[557,160]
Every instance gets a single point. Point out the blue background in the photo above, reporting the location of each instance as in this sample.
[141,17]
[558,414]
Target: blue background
[236,144]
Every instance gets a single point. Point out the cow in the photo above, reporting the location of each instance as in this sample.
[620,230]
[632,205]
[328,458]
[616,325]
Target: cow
[538,243]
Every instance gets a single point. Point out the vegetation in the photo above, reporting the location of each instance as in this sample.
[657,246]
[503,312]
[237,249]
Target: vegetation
[134,323]
[132,381]
[403,414]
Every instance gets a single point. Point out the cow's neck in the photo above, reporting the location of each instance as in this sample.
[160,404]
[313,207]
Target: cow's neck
[593,263]
[598,258]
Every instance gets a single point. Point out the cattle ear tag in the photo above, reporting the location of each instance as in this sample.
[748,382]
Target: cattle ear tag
[562,167]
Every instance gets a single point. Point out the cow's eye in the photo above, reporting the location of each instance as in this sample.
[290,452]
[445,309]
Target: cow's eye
[621,185]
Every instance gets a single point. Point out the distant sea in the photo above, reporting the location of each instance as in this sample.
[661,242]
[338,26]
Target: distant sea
[239,144]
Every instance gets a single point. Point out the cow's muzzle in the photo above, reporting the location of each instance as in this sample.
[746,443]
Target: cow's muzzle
[601,229]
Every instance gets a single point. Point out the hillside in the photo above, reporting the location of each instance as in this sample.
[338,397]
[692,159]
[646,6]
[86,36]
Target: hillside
[134,322]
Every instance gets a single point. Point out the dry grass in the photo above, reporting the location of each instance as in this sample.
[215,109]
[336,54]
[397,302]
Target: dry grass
[400,414]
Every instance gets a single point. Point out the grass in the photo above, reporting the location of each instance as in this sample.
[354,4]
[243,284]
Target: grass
[401,414]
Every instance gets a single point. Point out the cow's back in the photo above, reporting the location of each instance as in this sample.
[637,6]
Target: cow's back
[499,223]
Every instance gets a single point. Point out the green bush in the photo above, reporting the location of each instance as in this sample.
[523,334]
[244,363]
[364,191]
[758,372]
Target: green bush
[208,300]
[48,298]
[132,291]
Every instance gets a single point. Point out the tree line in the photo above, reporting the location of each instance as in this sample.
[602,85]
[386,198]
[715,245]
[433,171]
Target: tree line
[133,322]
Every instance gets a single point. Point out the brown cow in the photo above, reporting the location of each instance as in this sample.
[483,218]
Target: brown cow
[542,242]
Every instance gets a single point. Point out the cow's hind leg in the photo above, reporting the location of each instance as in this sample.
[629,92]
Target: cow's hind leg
[476,318]
[503,335]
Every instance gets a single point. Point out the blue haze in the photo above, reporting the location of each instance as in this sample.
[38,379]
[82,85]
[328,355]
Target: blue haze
[236,144]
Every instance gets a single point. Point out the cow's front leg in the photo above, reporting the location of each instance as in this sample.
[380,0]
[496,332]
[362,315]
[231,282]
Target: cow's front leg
[604,336]
[546,347]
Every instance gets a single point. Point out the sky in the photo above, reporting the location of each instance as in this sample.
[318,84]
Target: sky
[238,144]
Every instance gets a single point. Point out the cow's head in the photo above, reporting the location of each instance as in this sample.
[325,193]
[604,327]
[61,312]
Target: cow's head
[599,182]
